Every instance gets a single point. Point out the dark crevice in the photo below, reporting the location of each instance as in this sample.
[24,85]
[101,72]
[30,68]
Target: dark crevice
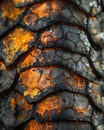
[91,100]
[102,5]
[95,71]
[93,126]
[4,95]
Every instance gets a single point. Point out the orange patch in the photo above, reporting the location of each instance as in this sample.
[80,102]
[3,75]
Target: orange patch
[42,10]
[49,104]
[12,103]
[81,110]
[33,125]
[2,66]
[35,81]
[30,58]
[21,1]
[77,81]
[16,41]
[10,11]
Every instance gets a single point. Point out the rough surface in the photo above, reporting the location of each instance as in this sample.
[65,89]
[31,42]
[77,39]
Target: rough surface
[35,83]
[7,79]
[9,16]
[16,43]
[52,65]
[34,125]
[15,110]
[76,62]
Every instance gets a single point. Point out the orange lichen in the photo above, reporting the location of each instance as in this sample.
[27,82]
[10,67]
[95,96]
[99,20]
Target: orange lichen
[21,1]
[45,80]
[49,126]
[58,4]
[77,81]
[16,41]
[10,11]
[81,110]
[49,104]
[30,59]
[18,1]
[46,37]
[42,10]
[80,81]
[30,78]
[12,103]
[33,125]
[32,93]
[2,66]
[30,19]
[35,81]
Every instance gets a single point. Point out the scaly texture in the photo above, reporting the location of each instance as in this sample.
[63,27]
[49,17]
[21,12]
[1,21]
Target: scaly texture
[52,65]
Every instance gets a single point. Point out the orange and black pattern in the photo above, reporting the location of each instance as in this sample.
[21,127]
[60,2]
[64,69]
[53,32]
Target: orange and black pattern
[52,65]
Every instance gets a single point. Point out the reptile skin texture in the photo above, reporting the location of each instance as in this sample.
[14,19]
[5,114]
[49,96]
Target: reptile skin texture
[52,65]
